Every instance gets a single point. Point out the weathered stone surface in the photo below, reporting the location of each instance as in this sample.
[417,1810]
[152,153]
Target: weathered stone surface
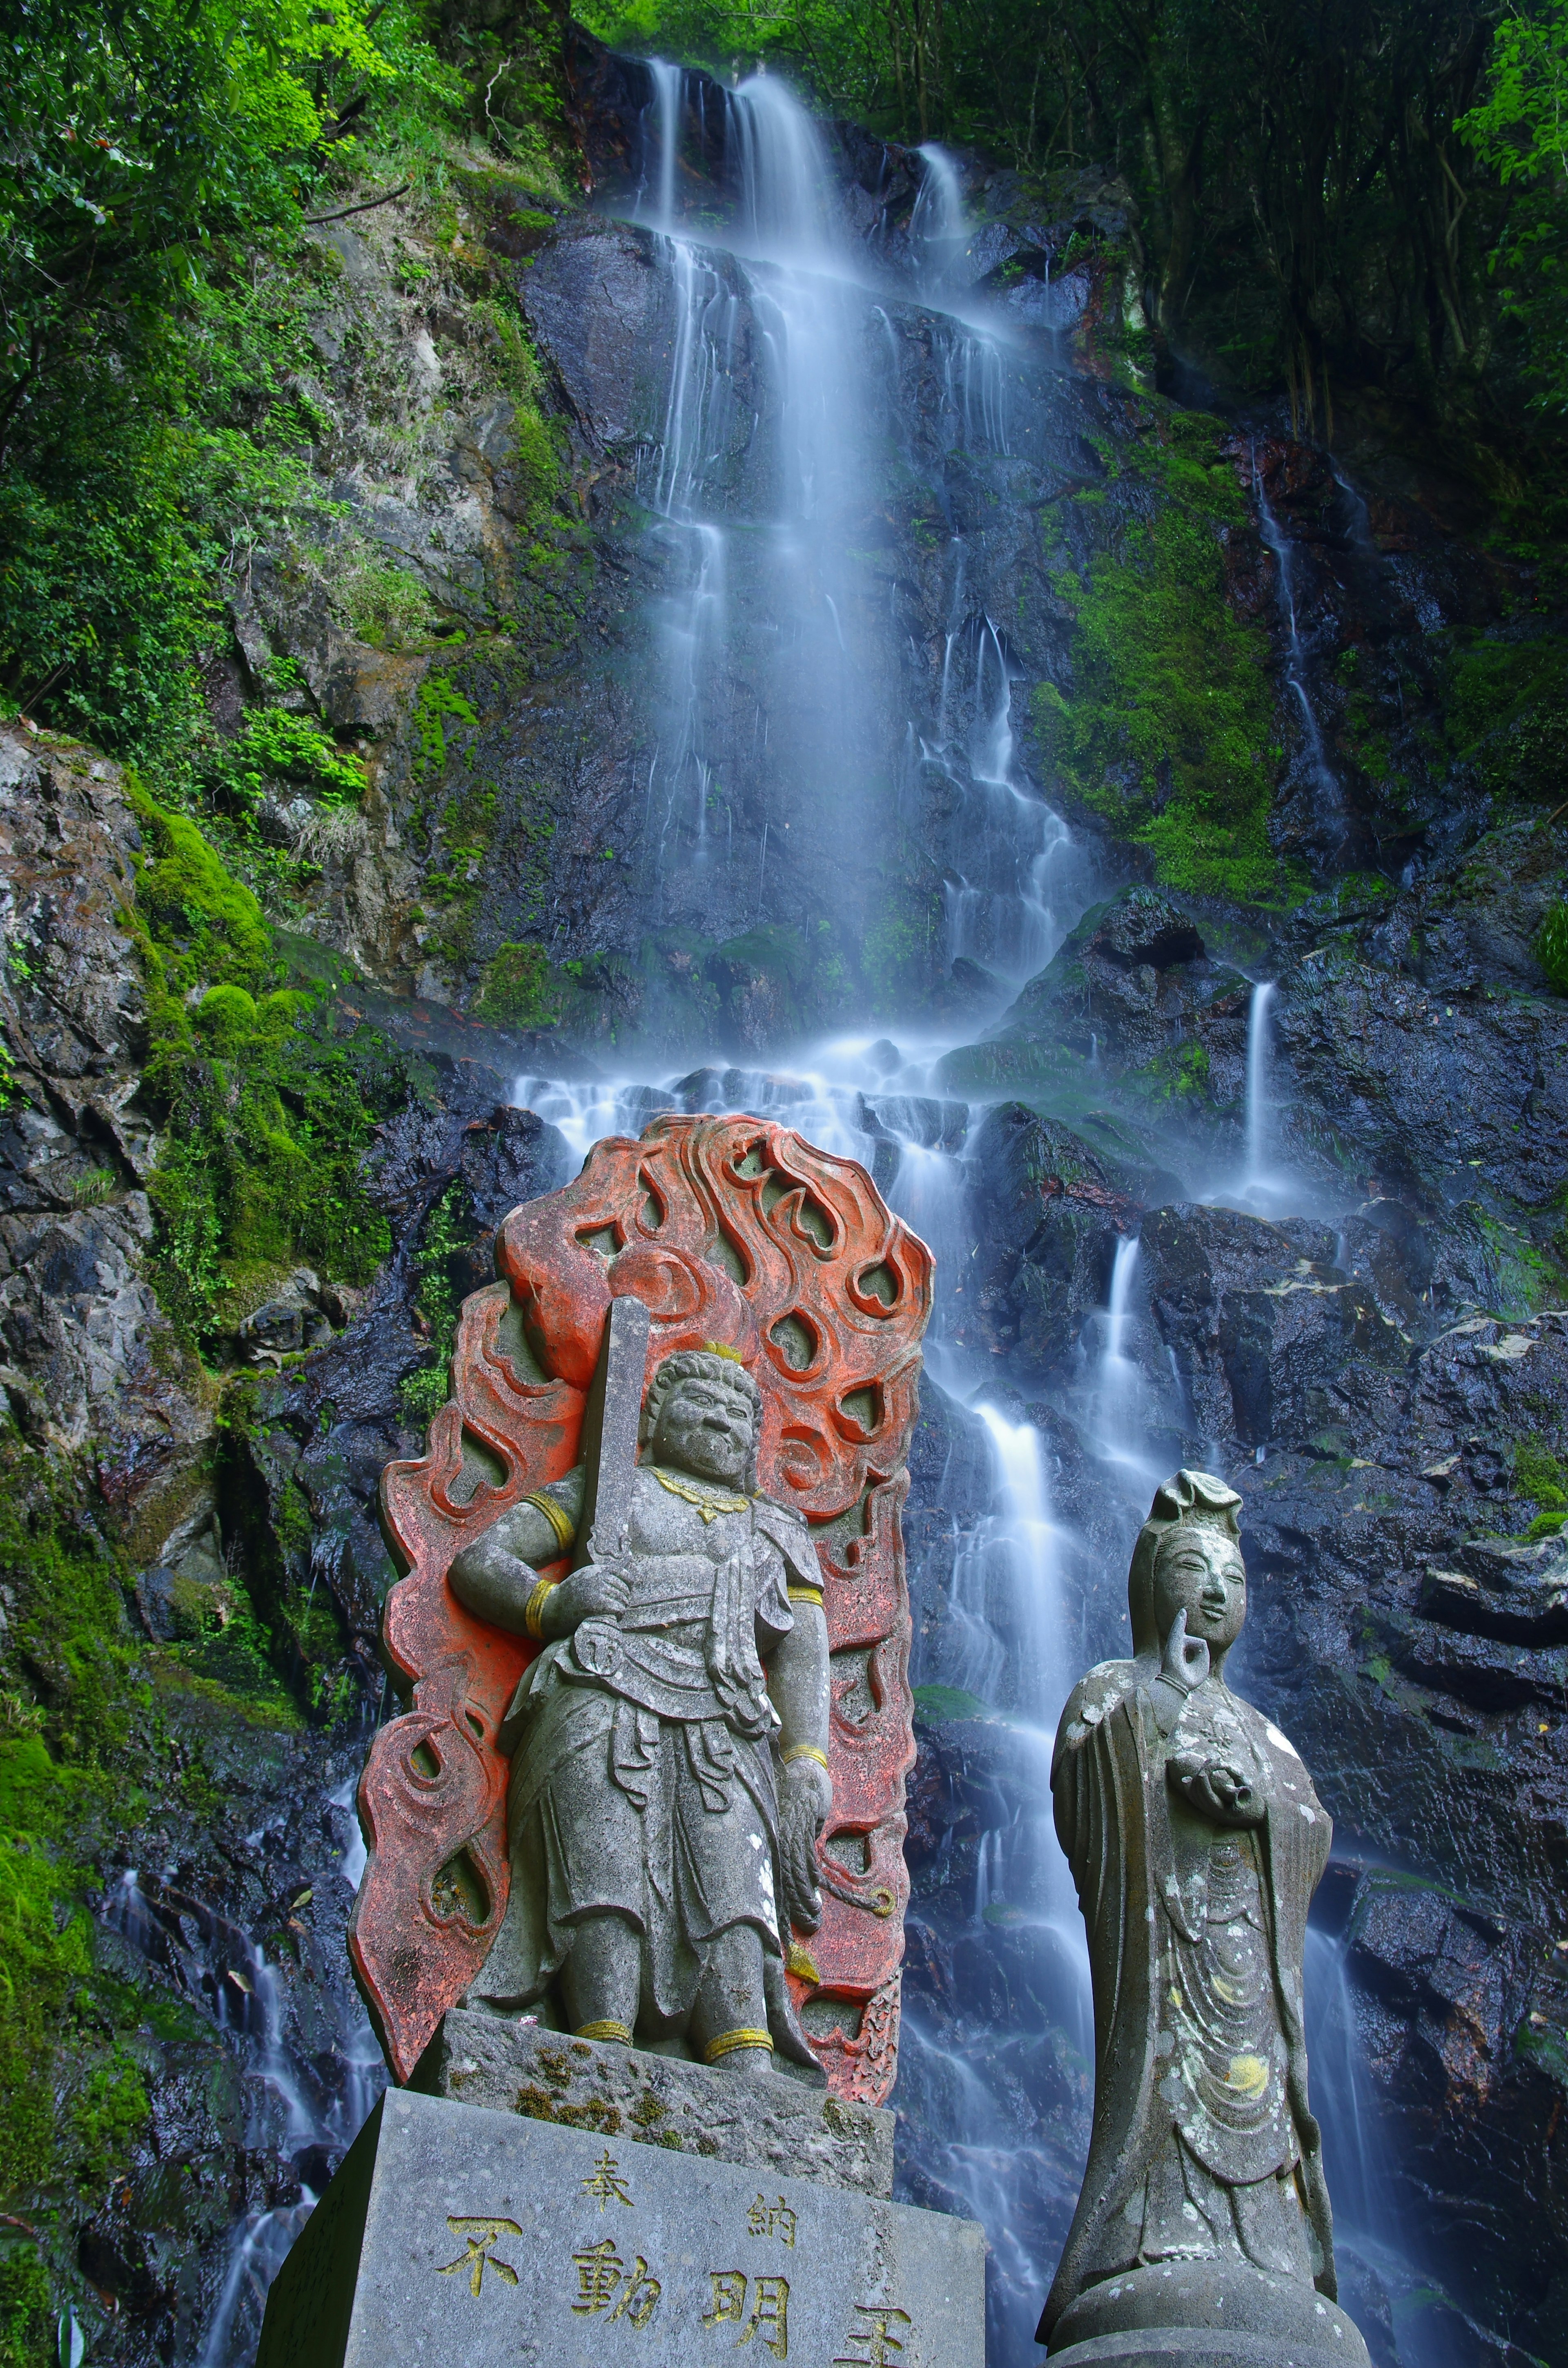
[1423,1094]
[780,2124]
[86,1351]
[1048,1217]
[453,2231]
[1134,973]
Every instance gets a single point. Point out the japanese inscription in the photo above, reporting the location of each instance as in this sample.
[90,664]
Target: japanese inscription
[607,2286]
[608,2181]
[773,2219]
[882,2346]
[769,2314]
[479,2236]
[603,2278]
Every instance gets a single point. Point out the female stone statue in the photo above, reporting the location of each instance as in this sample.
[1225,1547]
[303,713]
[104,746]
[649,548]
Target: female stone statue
[669,1775]
[1197,1841]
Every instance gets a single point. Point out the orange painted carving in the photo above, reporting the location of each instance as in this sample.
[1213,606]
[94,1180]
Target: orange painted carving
[731,1230]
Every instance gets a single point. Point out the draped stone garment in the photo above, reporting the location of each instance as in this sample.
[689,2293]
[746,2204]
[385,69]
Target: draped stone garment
[642,1776]
[1203,2147]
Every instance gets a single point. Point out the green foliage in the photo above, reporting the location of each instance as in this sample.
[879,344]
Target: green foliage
[516,989]
[386,606]
[267,1105]
[1168,728]
[155,422]
[445,1278]
[1519,130]
[277,749]
[1507,712]
[68,2102]
[26,2302]
[1551,947]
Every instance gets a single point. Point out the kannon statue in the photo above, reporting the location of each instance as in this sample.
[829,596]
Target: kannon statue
[669,1770]
[1196,1840]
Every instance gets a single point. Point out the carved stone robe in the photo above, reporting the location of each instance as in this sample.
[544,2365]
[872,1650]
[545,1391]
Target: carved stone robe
[643,1771]
[1202,2145]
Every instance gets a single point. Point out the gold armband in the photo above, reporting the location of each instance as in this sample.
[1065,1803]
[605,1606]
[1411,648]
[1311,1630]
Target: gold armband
[617,2034]
[805,1593]
[558,1519]
[535,1606]
[805,1751]
[728,2041]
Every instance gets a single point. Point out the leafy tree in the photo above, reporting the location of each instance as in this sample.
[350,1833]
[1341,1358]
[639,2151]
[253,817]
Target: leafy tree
[1521,131]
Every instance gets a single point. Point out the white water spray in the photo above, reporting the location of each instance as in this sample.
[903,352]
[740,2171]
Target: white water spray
[1255,1110]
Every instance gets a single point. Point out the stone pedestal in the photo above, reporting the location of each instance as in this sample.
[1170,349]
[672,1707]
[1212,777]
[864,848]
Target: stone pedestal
[453,2231]
[777,2124]
[1203,2314]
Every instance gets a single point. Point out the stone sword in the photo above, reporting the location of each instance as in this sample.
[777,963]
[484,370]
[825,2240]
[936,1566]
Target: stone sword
[610,1423]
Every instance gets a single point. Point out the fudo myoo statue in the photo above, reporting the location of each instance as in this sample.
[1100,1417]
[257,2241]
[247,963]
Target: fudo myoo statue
[1197,1841]
[653,1631]
[670,1774]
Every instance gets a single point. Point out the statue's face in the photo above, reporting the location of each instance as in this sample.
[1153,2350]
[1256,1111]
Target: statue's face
[709,1428]
[1200,1572]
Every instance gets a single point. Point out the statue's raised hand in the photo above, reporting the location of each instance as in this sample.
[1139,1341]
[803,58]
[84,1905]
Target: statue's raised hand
[1183,1663]
[805,1796]
[593,1592]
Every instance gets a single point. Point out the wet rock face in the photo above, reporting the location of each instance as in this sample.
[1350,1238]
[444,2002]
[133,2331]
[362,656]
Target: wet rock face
[1048,1219]
[1426,1095]
[86,1350]
[1130,982]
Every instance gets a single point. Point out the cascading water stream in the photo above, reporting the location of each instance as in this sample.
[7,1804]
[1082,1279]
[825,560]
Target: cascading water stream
[1328,797]
[1256,1107]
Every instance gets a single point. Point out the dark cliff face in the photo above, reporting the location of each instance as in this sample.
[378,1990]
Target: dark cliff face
[1377,1356]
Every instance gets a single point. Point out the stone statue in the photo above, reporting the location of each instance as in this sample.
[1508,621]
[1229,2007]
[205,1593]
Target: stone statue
[1196,1841]
[670,1775]
[652,1631]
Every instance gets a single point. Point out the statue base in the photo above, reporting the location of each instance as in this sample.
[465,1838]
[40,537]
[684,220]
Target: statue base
[452,2232]
[1204,2315]
[773,2124]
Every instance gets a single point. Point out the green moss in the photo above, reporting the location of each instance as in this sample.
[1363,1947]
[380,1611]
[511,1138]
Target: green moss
[1551,947]
[1540,1475]
[439,698]
[268,1103]
[205,923]
[895,952]
[446,1277]
[70,2098]
[26,2302]
[1506,713]
[384,605]
[1167,726]
[1179,1073]
[516,990]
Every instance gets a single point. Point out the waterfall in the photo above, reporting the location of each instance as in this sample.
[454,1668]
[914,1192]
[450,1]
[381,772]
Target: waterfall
[937,229]
[1117,1431]
[1328,800]
[1255,1107]
[308,2060]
